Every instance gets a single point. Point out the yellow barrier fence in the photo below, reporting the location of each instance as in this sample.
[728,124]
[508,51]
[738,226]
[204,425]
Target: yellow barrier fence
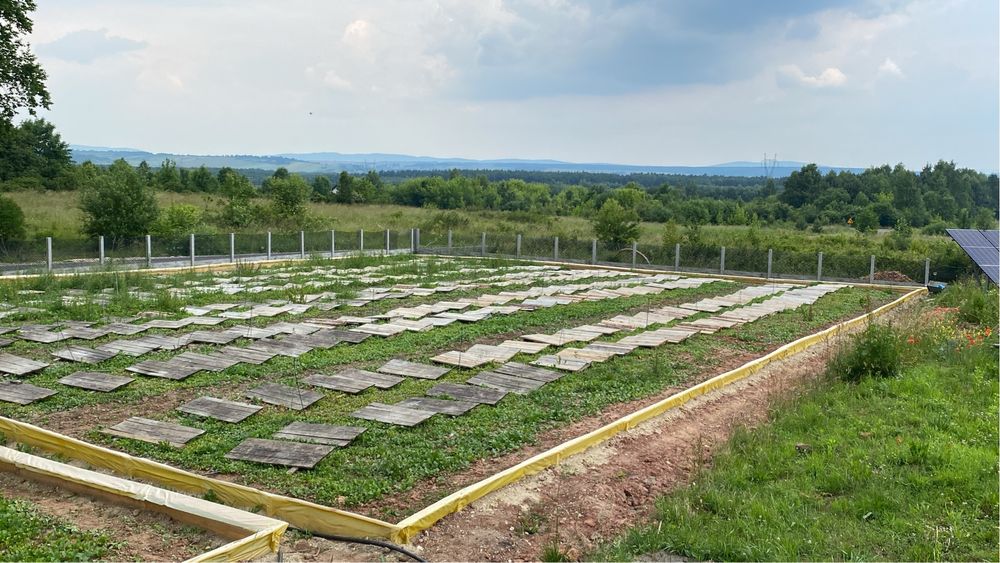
[454,502]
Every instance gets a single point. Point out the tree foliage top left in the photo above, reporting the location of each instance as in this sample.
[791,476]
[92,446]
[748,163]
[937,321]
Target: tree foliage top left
[22,79]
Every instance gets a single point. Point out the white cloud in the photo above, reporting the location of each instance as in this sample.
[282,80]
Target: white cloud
[830,77]
[890,67]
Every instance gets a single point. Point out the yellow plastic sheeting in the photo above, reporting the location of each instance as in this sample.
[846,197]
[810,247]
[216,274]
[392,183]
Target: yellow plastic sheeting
[264,533]
[426,518]
[299,513]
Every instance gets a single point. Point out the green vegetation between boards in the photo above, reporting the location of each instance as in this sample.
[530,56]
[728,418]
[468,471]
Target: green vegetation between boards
[28,535]
[887,468]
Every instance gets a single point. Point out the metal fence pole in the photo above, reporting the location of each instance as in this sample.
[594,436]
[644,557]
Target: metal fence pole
[413,240]
[482,245]
[387,249]
[871,271]
[232,247]
[927,271]
[48,253]
[100,248]
[333,243]
[677,256]
[555,248]
[269,245]
[635,251]
[518,250]
[361,235]
[302,244]
[593,251]
[770,260]
[192,249]
[722,260]
[819,267]
[418,239]
[449,241]
[149,251]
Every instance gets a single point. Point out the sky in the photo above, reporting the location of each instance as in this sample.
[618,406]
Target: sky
[651,82]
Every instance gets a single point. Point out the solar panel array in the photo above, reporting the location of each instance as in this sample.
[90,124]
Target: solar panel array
[983,247]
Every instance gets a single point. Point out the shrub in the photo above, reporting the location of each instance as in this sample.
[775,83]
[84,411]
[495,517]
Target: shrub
[11,220]
[616,225]
[875,352]
[976,305]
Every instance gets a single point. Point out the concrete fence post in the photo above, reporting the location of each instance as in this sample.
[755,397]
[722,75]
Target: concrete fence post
[191,244]
[413,240]
[722,260]
[593,251]
[517,251]
[387,243]
[871,270]
[418,239]
[555,248]
[100,249]
[927,271]
[449,241]
[232,247]
[149,251]
[333,243]
[819,267]
[635,252]
[770,261]
[482,245]
[361,238]
[302,244]
[269,245]
[677,256]
[48,253]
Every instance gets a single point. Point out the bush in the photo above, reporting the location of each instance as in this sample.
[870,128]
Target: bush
[178,220]
[616,225]
[876,352]
[976,305]
[11,220]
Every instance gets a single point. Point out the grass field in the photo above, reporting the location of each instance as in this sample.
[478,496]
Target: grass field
[28,535]
[895,468]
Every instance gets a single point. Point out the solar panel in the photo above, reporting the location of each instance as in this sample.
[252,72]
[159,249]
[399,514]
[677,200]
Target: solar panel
[981,246]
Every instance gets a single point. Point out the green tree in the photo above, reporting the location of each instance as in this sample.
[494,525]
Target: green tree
[168,178]
[22,80]
[11,220]
[867,220]
[322,188]
[237,211]
[615,225]
[118,204]
[177,221]
[802,186]
[201,180]
[289,196]
[34,149]
[345,188]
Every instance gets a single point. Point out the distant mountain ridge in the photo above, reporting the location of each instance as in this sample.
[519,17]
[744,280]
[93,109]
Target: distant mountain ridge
[334,162]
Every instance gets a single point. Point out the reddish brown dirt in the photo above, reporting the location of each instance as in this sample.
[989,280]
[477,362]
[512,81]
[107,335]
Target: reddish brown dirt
[138,535]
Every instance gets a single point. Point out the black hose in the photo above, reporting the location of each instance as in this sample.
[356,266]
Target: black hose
[378,543]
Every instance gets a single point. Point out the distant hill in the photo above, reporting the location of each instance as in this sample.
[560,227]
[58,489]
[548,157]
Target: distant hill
[333,162]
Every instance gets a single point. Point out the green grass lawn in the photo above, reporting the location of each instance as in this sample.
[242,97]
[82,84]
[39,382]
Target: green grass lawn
[895,468]
[28,535]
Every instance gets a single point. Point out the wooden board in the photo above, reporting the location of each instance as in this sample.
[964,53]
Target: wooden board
[493,353]
[528,372]
[285,396]
[246,355]
[22,393]
[411,369]
[213,336]
[551,339]
[560,363]
[42,336]
[154,431]
[95,381]
[461,359]
[613,347]
[504,382]
[132,348]
[440,406]
[380,329]
[156,368]
[337,383]
[392,414]
[219,409]
[523,346]
[6,342]
[585,355]
[326,434]
[84,354]
[279,452]
[16,365]
[380,380]
[350,336]
[280,347]
[472,393]
[209,362]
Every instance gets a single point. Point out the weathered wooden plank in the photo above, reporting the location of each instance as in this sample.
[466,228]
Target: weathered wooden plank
[564,364]
[279,452]
[156,368]
[551,339]
[285,396]
[493,353]
[442,406]
[337,383]
[42,336]
[16,365]
[219,409]
[95,381]
[327,434]
[280,347]
[22,393]
[411,369]
[209,362]
[380,380]
[392,414]
[470,393]
[132,348]
[84,354]
[247,355]
[523,346]
[528,372]
[503,382]
[154,431]
[461,359]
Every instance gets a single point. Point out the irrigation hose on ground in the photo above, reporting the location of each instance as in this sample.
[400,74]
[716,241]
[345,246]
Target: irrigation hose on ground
[378,543]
